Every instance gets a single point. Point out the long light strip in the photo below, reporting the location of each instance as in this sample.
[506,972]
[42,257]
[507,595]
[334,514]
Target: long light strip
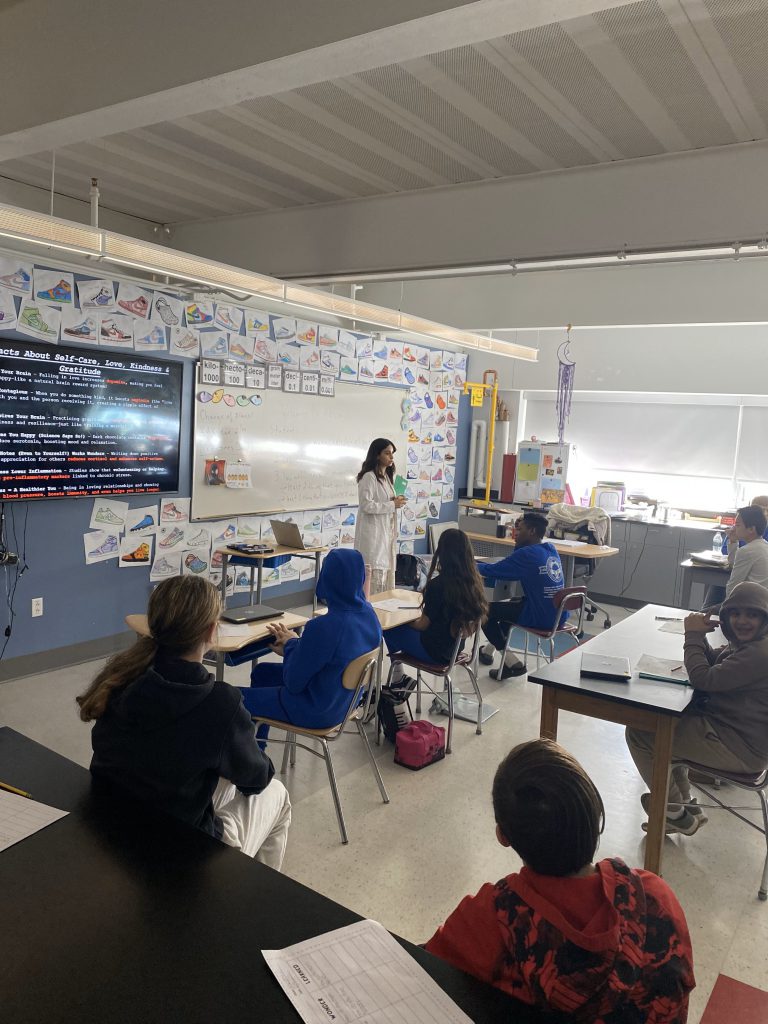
[26,226]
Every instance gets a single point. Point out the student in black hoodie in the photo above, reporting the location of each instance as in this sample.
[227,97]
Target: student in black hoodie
[166,733]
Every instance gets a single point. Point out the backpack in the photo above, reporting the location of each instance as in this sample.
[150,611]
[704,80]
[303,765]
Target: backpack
[410,571]
[392,710]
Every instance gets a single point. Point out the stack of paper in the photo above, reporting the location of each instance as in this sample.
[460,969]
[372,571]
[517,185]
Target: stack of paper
[666,669]
[21,817]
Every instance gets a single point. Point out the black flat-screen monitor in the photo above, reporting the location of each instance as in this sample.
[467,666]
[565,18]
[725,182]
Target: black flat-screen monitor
[78,422]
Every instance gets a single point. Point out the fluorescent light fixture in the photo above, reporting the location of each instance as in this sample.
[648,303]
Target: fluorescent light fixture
[342,306]
[26,226]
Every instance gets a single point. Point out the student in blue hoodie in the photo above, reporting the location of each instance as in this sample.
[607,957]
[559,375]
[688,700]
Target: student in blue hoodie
[168,735]
[306,688]
[537,566]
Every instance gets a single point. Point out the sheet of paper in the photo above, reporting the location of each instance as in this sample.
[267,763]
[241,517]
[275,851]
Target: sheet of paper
[359,973]
[675,626]
[571,543]
[393,604]
[21,817]
[235,629]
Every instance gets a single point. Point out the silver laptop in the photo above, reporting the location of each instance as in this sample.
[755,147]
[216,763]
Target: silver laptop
[286,534]
[603,666]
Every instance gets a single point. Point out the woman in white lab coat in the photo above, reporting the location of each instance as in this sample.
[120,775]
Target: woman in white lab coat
[376,530]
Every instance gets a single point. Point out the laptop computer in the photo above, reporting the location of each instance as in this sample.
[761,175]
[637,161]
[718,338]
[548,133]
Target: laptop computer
[603,666]
[287,534]
[251,613]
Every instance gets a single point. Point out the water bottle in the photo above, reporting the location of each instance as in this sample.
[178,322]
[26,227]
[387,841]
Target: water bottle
[717,543]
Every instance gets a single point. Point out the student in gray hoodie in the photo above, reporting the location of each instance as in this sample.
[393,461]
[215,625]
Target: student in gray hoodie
[726,724]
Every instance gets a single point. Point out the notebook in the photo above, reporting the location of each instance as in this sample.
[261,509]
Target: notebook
[603,666]
[709,558]
[251,613]
[287,534]
[668,670]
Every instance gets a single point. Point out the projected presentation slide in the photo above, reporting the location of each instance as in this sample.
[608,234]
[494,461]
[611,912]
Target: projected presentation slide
[79,422]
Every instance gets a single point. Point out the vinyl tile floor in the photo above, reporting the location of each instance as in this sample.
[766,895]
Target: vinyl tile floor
[409,862]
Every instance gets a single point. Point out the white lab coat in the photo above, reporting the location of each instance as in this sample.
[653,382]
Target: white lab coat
[376,530]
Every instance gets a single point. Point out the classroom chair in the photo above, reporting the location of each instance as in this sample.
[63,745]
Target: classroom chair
[756,782]
[467,661]
[570,599]
[358,678]
[595,528]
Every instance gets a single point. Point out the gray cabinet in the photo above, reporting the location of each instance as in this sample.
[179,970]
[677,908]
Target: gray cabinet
[608,578]
[651,563]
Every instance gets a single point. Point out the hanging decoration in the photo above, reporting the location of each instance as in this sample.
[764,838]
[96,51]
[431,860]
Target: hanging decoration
[565,376]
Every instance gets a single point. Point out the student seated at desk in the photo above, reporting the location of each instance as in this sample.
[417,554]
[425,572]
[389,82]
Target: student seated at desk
[537,566]
[453,602]
[305,689]
[750,563]
[587,942]
[726,724]
[169,735]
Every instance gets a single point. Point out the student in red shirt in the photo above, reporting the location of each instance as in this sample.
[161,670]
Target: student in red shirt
[600,942]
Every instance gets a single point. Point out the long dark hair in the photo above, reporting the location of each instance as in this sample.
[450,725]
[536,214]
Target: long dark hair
[462,585]
[180,615]
[372,459]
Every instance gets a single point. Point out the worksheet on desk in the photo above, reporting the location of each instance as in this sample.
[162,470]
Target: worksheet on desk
[394,604]
[360,974]
[21,817]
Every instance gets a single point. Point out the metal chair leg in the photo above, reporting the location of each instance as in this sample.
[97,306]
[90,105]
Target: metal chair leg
[418,692]
[286,752]
[478,694]
[762,892]
[372,759]
[334,791]
[293,750]
[551,649]
[449,688]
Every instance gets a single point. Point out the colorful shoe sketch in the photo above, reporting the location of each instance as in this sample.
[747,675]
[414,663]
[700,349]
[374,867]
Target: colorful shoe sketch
[236,349]
[143,523]
[408,375]
[141,554]
[437,438]
[20,281]
[102,298]
[5,316]
[195,564]
[217,560]
[408,512]
[383,373]
[316,524]
[170,511]
[172,539]
[349,370]
[312,361]
[449,457]
[451,419]
[263,350]
[428,401]
[349,520]
[283,333]
[163,567]
[186,341]
[86,329]
[413,458]
[347,538]
[243,579]
[413,437]
[164,311]
[139,306]
[196,315]
[109,547]
[440,419]
[230,533]
[219,349]
[200,540]
[427,439]
[61,292]
[437,475]
[223,317]
[33,318]
[433,510]
[154,337]
[111,332]
[106,515]
[441,402]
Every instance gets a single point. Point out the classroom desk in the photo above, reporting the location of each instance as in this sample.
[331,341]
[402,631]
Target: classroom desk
[116,916]
[228,644]
[642,703]
[257,562]
[568,552]
[696,572]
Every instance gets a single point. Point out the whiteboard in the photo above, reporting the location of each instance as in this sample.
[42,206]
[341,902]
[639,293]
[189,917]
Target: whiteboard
[304,451]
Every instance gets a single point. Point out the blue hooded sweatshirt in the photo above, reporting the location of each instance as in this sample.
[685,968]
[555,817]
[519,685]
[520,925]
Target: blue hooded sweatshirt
[306,689]
[539,569]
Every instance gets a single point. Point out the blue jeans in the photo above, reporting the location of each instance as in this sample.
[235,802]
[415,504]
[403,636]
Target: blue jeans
[408,640]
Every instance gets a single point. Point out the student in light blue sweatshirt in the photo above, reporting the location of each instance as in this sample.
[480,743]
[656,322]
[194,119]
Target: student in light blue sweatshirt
[537,566]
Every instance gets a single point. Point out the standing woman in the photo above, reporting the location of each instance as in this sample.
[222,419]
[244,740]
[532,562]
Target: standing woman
[376,530]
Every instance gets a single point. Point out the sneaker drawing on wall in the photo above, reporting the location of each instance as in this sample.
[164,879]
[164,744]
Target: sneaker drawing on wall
[229,534]
[143,523]
[223,317]
[154,337]
[433,510]
[86,329]
[111,332]
[218,349]
[413,458]
[194,563]
[236,349]
[106,515]
[19,281]
[170,511]
[163,567]
[61,292]
[200,539]
[408,375]
[186,342]
[348,520]
[172,539]
[138,306]
[282,333]
[33,318]
[243,579]
[164,311]
[141,554]
[101,298]
[196,315]
[108,547]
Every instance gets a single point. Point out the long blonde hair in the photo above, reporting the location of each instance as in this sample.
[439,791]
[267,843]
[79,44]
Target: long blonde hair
[180,614]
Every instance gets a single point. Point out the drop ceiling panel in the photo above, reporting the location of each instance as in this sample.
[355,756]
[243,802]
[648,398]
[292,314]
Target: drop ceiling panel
[741,25]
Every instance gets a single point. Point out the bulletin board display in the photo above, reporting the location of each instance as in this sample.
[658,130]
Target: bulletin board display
[270,450]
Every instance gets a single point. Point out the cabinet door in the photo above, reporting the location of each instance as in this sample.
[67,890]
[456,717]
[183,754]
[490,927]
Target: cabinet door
[608,577]
[651,563]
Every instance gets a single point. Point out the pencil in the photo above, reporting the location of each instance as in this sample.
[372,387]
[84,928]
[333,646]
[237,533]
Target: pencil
[12,789]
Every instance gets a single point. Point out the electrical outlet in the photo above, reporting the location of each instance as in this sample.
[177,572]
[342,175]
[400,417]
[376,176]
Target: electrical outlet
[37,607]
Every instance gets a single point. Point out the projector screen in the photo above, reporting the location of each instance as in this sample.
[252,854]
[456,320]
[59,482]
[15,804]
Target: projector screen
[81,422]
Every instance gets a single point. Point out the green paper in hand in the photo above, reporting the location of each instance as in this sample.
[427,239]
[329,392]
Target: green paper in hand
[400,485]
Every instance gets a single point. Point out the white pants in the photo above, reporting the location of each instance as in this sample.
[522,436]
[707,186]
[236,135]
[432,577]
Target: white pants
[257,825]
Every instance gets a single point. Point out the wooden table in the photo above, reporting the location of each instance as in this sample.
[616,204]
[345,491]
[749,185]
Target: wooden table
[224,645]
[697,572]
[645,704]
[257,561]
[114,915]
[567,550]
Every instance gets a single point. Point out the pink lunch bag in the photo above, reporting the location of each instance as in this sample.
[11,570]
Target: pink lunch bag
[419,744]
